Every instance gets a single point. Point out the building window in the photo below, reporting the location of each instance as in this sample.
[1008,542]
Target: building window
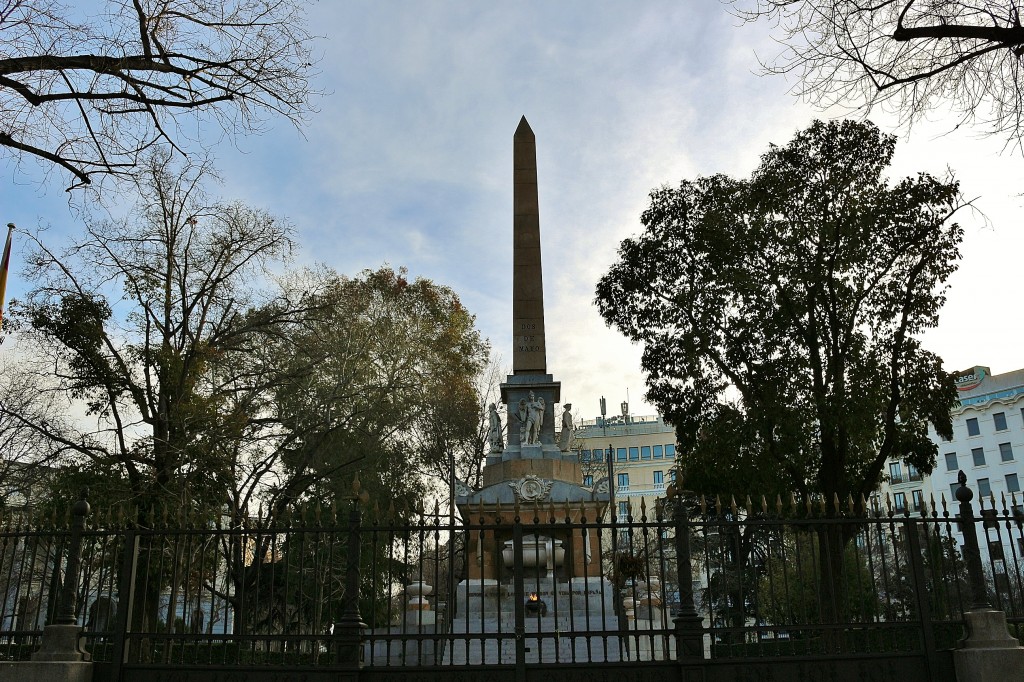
[912,473]
[951,463]
[979,456]
[984,489]
[899,501]
[895,473]
[659,479]
[634,453]
[953,487]
[999,419]
[1012,484]
[623,509]
[1005,452]
[645,452]
[658,452]
[916,500]
[620,454]
[670,451]
[622,481]
[588,481]
[672,475]
[972,427]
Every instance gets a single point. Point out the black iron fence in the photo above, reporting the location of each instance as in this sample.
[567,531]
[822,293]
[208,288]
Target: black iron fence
[691,579]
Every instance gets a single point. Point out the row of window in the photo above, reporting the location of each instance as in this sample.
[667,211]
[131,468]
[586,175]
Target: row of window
[896,473]
[984,487]
[978,457]
[633,454]
[899,500]
[998,421]
[622,480]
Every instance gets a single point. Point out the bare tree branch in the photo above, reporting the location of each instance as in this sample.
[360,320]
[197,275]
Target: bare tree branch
[906,56]
[132,69]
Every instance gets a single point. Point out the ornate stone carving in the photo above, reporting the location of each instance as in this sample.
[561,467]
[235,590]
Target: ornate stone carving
[531,488]
[602,486]
[462,490]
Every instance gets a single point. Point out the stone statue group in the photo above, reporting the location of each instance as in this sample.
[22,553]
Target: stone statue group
[530,415]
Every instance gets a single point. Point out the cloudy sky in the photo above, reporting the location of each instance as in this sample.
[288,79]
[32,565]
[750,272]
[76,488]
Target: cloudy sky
[409,161]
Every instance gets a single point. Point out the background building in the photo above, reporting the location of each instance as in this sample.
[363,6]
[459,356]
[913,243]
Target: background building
[643,453]
[988,446]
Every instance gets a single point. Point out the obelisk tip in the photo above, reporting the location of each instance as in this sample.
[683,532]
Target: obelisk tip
[524,128]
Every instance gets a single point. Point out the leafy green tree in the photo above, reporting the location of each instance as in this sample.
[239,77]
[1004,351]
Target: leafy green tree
[209,387]
[780,314]
[907,56]
[789,589]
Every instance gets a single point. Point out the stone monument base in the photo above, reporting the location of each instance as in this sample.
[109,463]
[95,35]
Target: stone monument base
[988,652]
[45,671]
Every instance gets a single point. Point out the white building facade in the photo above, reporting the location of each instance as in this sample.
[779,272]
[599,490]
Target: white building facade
[987,445]
[643,457]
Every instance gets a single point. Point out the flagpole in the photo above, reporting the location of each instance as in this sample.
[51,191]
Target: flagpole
[5,265]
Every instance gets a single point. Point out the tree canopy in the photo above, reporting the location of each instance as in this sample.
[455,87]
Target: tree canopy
[780,314]
[91,88]
[210,380]
[911,56]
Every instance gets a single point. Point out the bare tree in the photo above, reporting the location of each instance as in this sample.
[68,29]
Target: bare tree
[908,56]
[27,456]
[92,90]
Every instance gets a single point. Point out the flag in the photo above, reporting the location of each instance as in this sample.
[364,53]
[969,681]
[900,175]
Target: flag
[5,264]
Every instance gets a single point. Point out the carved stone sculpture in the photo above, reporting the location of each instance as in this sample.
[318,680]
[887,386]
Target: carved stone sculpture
[565,438]
[535,408]
[531,488]
[462,490]
[494,435]
[522,414]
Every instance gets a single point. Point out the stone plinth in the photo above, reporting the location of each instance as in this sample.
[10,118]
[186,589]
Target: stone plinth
[45,671]
[59,659]
[567,470]
[988,652]
[486,545]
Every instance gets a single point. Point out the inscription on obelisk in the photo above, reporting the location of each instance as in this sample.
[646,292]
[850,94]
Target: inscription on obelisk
[528,351]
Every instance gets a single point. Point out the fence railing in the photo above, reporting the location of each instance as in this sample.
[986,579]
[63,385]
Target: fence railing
[703,578]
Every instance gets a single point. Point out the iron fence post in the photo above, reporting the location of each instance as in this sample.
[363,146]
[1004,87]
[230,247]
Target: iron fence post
[62,640]
[688,624]
[972,553]
[924,611]
[67,610]
[348,632]
[125,595]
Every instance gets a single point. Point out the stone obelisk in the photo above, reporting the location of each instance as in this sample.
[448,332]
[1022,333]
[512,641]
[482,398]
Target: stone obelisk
[529,392]
[528,349]
[528,468]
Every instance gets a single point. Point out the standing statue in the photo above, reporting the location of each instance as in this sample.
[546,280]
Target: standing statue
[565,437]
[535,419]
[494,433]
[522,414]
